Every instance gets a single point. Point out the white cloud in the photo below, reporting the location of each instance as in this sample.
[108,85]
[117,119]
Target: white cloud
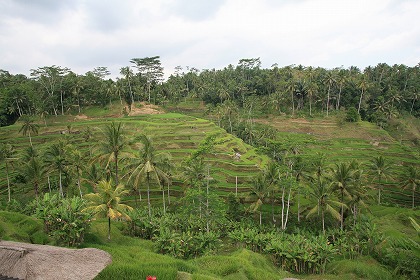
[207,34]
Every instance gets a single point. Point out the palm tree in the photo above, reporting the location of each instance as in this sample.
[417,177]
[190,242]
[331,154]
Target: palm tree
[272,177]
[411,180]
[260,188]
[341,181]
[322,195]
[148,166]
[112,146]
[56,160]
[341,81]
[107,202]
[194,175]
[379,169]
[128,74]
[7,153]
[311,89]
[363,85]
[291,87]
[329,79]
[358,195]
[28,127]
[76,160]
[34,173]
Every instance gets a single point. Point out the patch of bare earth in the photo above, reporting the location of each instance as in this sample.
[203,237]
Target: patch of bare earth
[145,109]
[81,117]
[31,261]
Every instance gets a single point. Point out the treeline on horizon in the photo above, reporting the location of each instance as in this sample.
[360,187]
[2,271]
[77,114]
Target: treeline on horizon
[377,93]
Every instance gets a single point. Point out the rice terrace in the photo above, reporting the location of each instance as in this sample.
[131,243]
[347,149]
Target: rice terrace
[238,173]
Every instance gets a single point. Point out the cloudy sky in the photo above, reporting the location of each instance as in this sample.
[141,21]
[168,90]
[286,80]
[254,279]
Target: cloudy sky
[84,34]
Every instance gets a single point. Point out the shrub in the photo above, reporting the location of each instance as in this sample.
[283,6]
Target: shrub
[63,218]
[352,115]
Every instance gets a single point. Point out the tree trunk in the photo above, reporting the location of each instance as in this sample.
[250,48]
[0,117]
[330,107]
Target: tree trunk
[148,195]
[310,106]
[293,105]
[288,207]
[236,185]
[323,221]
[62,106]
[116,169]
[61,185]
[328,98]
[109,228]
[282,209]
[8,182]
[169,197]
[30,139]
[338,99]
[163,200]
[298,205]
[360,102]
[78,183]
[342,209]
[413,194]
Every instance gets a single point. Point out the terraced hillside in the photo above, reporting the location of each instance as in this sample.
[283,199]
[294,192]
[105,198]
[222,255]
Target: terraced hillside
[340,142]
[177,134]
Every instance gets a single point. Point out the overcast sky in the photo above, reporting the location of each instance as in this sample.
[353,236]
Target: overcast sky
[206,34]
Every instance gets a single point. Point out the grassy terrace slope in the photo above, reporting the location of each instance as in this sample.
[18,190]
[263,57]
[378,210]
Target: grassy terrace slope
[360,141]
[175,133]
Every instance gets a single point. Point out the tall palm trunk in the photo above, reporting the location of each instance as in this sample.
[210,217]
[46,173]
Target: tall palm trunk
[163,201]
[116,169]
[109,228]
[148,195]
[78,182]
[328,98]
[342,209]
[61,185]
[30,139]
[360,101]
[8,182]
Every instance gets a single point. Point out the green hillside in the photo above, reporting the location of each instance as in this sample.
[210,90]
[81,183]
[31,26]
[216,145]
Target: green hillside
[177,134]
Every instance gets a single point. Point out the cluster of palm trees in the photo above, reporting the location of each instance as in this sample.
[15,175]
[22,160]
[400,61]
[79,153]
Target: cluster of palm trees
[338,190]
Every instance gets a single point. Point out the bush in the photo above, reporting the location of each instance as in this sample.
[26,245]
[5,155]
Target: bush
[352,115]
[187,244]
[64,219]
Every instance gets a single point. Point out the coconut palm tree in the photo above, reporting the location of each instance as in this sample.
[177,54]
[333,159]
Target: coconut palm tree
[411,180]
[379,169]
[329,79]
[76,161]
[149,166]
[260,188]
[56,160]
[34,172]
[341,181]
[107,203]
[322,196]
[28,127]
[194,173]
[272,177]
[112,145]
[7,154]
[363,86]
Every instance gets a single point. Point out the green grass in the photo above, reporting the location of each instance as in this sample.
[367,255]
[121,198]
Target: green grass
[15,226]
